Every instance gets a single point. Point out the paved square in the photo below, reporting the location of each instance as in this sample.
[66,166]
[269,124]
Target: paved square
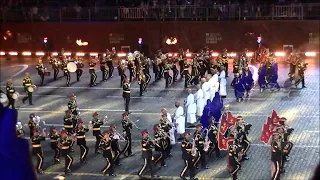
[299,106]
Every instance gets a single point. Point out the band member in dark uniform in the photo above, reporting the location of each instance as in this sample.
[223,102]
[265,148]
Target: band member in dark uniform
[81,141]
[242,132]
[142,82]
[31,124]
[302,67]
[213,137]
[122,72]
[103,68]
[68,126]
[236,65]
[167,76]
[66,72]
[107,154]
[72,104]
[27,83]
[37,149]
[155,68]
[92,72]
[115,144]
[96,123]
[175,70]
[224,60]
[147,146]
[127,126]
[195,73]
[65,142]
[146,71]
[40,69]
[79,70]
[55,66]
[233,162]
[166,127]
[181,61]
[186,148]
[126,94]
[276,156]
[109,58]
[199,141]
[54,136]
[10,90]
[132,72]
[160,145]
[187,75]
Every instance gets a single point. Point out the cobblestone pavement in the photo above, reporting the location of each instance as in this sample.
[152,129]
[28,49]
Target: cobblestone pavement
[300,106]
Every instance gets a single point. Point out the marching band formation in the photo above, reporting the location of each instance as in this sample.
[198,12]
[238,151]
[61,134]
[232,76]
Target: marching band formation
[217,130]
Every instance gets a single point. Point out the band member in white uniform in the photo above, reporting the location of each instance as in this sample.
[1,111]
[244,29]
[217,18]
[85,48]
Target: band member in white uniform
[191,113]
[180,119]
[199,99]
[188,102]
[172,130]
[212,89]
[223,83]
[205,89]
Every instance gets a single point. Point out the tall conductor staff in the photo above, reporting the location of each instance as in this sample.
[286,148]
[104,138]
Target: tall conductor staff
[126,94]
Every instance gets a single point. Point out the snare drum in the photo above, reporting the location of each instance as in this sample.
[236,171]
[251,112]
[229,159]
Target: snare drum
[47,73]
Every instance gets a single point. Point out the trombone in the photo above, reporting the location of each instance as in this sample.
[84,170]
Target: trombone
[118,135]
[134,124]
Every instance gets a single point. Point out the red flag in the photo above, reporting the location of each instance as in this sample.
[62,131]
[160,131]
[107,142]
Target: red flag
[275,118]
[231,120]
[265,134]
[222,142]
[223,126]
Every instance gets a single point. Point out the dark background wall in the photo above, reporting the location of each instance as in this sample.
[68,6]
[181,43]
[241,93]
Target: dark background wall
[235,36]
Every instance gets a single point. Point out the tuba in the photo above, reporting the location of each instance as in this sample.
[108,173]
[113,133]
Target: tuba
[137,54]
[130,57]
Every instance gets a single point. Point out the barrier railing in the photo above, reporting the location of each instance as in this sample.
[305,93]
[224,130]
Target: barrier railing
[168,13]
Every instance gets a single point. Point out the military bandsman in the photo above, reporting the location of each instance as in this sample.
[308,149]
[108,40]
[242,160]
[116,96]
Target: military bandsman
[147,146]
[68,126]
[54,136]
[199,141]
[213,137]
[96,124]
[160,145]
[31,124]
[186,148]
[10,91]
[109,58]
[142,82]
[26,84]
[37,149]
[127,126]
[40,69]
[65,143]
[72,104]
[242,132]
[107,154]
[103,68]
[55,66]
[92,72]
[81,141]
[233,162]
[115,144]
[276,156]
[126,94]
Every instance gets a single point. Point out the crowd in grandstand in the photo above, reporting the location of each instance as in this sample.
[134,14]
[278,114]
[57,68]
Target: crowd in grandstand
[43,10]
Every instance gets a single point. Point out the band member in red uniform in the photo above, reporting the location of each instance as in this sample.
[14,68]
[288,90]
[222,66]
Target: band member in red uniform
[96,123]
[65,142]
[107,154]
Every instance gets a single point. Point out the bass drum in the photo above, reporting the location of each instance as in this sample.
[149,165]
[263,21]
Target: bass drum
[72,67]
